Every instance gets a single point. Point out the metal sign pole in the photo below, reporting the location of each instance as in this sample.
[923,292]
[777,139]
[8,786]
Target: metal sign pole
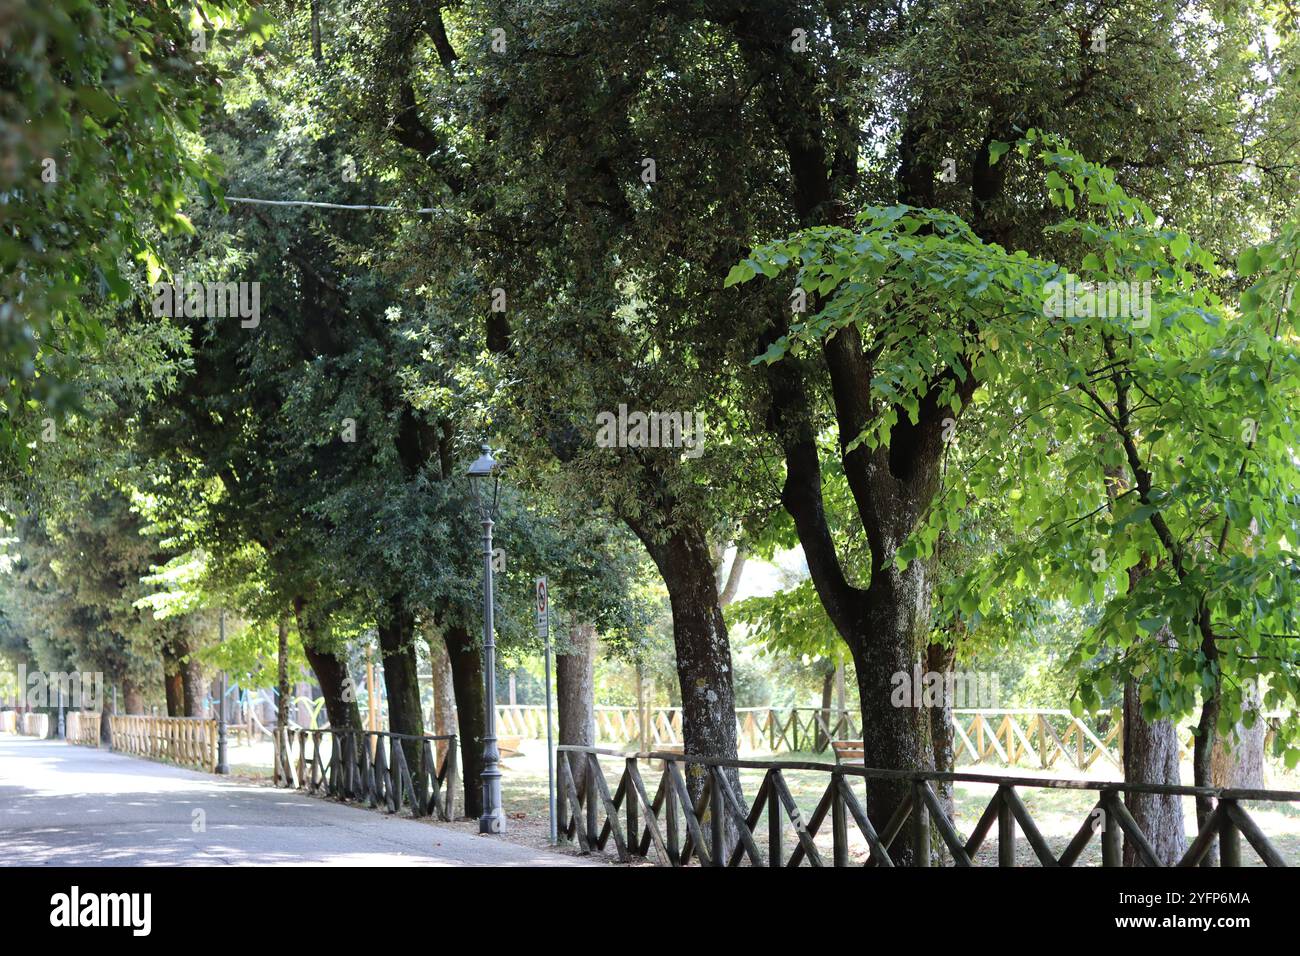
[544,629]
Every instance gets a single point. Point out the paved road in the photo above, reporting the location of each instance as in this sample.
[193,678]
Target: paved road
[75,806]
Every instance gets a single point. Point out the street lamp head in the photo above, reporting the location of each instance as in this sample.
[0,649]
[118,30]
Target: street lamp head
[484,470]
[485,465]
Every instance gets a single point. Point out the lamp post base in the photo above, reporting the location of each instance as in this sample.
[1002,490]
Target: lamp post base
[494,821]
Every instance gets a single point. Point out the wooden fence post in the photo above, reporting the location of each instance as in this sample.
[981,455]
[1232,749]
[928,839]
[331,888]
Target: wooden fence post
[839,822]
[1229,839]
[1006,831]
[920,825]
[1112,843]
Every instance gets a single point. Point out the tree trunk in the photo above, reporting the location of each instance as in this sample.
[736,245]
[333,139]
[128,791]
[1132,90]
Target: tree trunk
[444,695]
[703,658]
[401,681]
[282,692]
[194,687]
[942,659]
[282,689]
[727,594]
[575,696]
[703,652]
[1151,756]
[1242,766]
[106,712]
[822,741]
[331,674]
[894,639]
[467,683]
[886,625]
[132,698]
[174,689]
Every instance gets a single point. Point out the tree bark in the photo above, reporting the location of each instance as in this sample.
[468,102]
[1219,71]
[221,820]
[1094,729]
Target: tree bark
[703,652]
[942,659]
[282,689]
[575,696]
[194,687]
[444,695]
[396,628]
[1151,756]
[732,585]
[893,737]
[106,713]
[821,741]
[703,658]
[173,686]
[132,698]
[1242,766]
[467,682]
[331,674]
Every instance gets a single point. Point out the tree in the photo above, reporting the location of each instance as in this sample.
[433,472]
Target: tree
[99,151]
[1142,404]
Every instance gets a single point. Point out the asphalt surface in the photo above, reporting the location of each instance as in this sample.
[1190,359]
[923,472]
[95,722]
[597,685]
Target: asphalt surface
[64,805]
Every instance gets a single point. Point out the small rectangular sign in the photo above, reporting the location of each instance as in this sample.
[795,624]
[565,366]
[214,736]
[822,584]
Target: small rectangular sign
[543,608]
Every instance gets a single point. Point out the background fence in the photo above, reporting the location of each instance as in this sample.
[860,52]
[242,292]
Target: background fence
[1030,737]
[28,724]
[188,741]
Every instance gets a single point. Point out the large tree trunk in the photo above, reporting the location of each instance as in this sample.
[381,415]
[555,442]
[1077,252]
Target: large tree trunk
[444,694]
[194,687]
[1151,756]
[401,681]
[895,636]
[887,624]
[331,674]
[467,681]
[703,652]
[173,682]
[132,697]
[703,658]
[575,696]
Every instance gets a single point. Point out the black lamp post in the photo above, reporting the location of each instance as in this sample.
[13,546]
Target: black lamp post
[485,478]
[223,758]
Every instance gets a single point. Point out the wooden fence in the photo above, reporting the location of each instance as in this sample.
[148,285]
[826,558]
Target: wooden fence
[676,827]
[189,741]
[1037,737]
[27,723]
[370,766]
[1032,737]
[82,727]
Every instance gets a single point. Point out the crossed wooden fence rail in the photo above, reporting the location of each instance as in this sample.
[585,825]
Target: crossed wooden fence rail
[1039,737]
[636,822]
[1029,737]
[370,766]
[189,741]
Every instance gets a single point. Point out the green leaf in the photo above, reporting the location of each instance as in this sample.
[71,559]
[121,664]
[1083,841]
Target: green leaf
[1248,262]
